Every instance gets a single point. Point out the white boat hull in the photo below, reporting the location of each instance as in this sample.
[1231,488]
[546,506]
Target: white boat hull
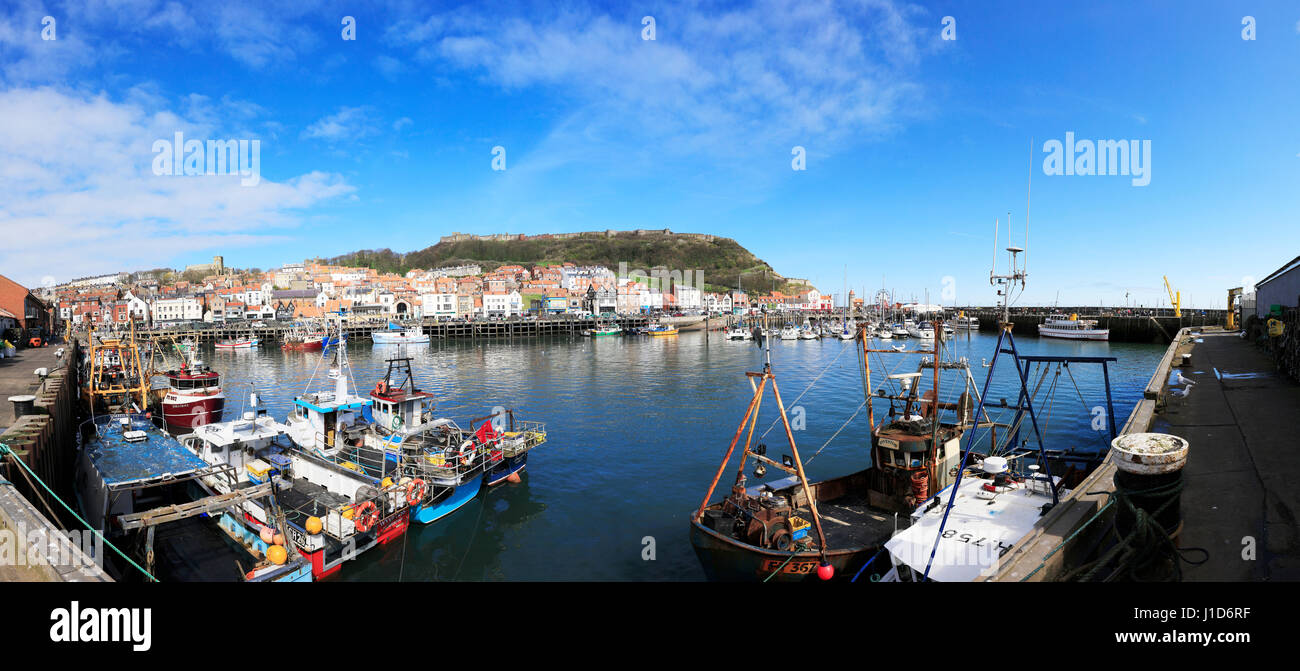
[1073,334]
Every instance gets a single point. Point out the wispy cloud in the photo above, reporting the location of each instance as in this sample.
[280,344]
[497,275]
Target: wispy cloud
[77,184]
[348,123]
[721,81]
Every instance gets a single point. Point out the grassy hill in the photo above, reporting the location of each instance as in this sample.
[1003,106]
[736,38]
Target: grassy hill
[723,261]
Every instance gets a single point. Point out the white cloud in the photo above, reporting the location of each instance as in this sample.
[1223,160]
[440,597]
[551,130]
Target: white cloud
[78,195]
[724,82]
[348,123]
[401,123]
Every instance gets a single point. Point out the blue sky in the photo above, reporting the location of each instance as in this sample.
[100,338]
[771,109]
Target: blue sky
[915,144]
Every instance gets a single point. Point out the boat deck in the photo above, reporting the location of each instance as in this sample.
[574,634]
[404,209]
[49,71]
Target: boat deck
[195,549]
[850,523]
[306,499]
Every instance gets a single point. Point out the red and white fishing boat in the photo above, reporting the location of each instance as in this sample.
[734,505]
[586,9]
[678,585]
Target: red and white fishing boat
[194,397]
[238,343]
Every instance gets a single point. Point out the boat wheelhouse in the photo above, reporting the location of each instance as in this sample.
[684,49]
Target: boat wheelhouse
[238,343]
[451,463]
[193,396]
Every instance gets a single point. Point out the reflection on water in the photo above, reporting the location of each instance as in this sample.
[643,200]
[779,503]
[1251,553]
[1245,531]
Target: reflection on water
[636,428]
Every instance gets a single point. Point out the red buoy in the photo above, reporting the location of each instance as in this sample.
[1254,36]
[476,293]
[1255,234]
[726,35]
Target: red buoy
[825,571]
[513,478]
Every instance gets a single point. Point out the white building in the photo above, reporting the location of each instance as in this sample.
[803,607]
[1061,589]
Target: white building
[176,309]
[688,297]
[502,304]
[438,305]
[137,307]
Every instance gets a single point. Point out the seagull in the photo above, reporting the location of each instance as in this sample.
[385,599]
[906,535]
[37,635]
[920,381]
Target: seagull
[900,348]
[1181,393]
[1182,380]
[985,362]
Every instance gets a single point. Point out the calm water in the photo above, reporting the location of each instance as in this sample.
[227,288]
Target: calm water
[637,427]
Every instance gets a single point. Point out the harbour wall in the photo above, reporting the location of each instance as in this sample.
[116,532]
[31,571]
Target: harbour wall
[45,442]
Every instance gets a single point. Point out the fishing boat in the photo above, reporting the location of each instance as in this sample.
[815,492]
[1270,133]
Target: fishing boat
[991,510]
[237,343]
[340,339]
[1072,328]
[739,332]
[193,396]
[330,511]
[139,487]
[328,430]
[656,330]
[113,374]
[395,335]
[299,339]
[789,332]
[601,330]
[436,454]
[793,529]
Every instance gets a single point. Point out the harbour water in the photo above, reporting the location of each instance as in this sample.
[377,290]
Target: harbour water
[636,428]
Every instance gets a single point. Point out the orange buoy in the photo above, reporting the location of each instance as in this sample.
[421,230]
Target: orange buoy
[514,478]
[277,554]
[267,535]
[313,525]
[278,539]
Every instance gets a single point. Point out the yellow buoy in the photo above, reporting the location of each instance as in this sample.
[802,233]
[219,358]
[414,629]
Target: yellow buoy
[313,525]
[277,554]
[386,483]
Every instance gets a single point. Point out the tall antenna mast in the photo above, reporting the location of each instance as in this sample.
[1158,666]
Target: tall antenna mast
[1029,192]
[1005,283]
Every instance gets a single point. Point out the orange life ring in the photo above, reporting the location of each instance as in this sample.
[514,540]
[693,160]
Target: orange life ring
[414,492]
[365,515]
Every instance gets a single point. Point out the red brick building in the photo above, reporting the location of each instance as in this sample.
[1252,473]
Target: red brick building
[30,311]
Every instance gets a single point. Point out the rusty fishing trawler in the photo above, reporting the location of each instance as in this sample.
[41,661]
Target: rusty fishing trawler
[791,528]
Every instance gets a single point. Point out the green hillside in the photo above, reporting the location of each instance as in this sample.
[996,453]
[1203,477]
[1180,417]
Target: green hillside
[722,261]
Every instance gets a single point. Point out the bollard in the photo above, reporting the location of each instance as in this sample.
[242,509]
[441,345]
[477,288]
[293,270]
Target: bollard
[23,405]
[1150,473]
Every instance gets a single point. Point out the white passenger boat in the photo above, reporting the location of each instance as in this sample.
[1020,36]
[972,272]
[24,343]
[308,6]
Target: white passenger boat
[966,323]
[395,335]
[1072,328]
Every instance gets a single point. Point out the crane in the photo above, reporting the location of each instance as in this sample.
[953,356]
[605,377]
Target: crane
[1175,298]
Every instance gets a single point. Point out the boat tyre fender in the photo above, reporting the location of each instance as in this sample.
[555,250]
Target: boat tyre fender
[365,516]
[415,492]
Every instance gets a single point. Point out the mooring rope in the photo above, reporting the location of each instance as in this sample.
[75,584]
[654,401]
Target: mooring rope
[6,451]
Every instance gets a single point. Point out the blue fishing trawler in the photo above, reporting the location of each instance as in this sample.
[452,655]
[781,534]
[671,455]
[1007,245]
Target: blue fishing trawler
[441,462]
[141,489]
